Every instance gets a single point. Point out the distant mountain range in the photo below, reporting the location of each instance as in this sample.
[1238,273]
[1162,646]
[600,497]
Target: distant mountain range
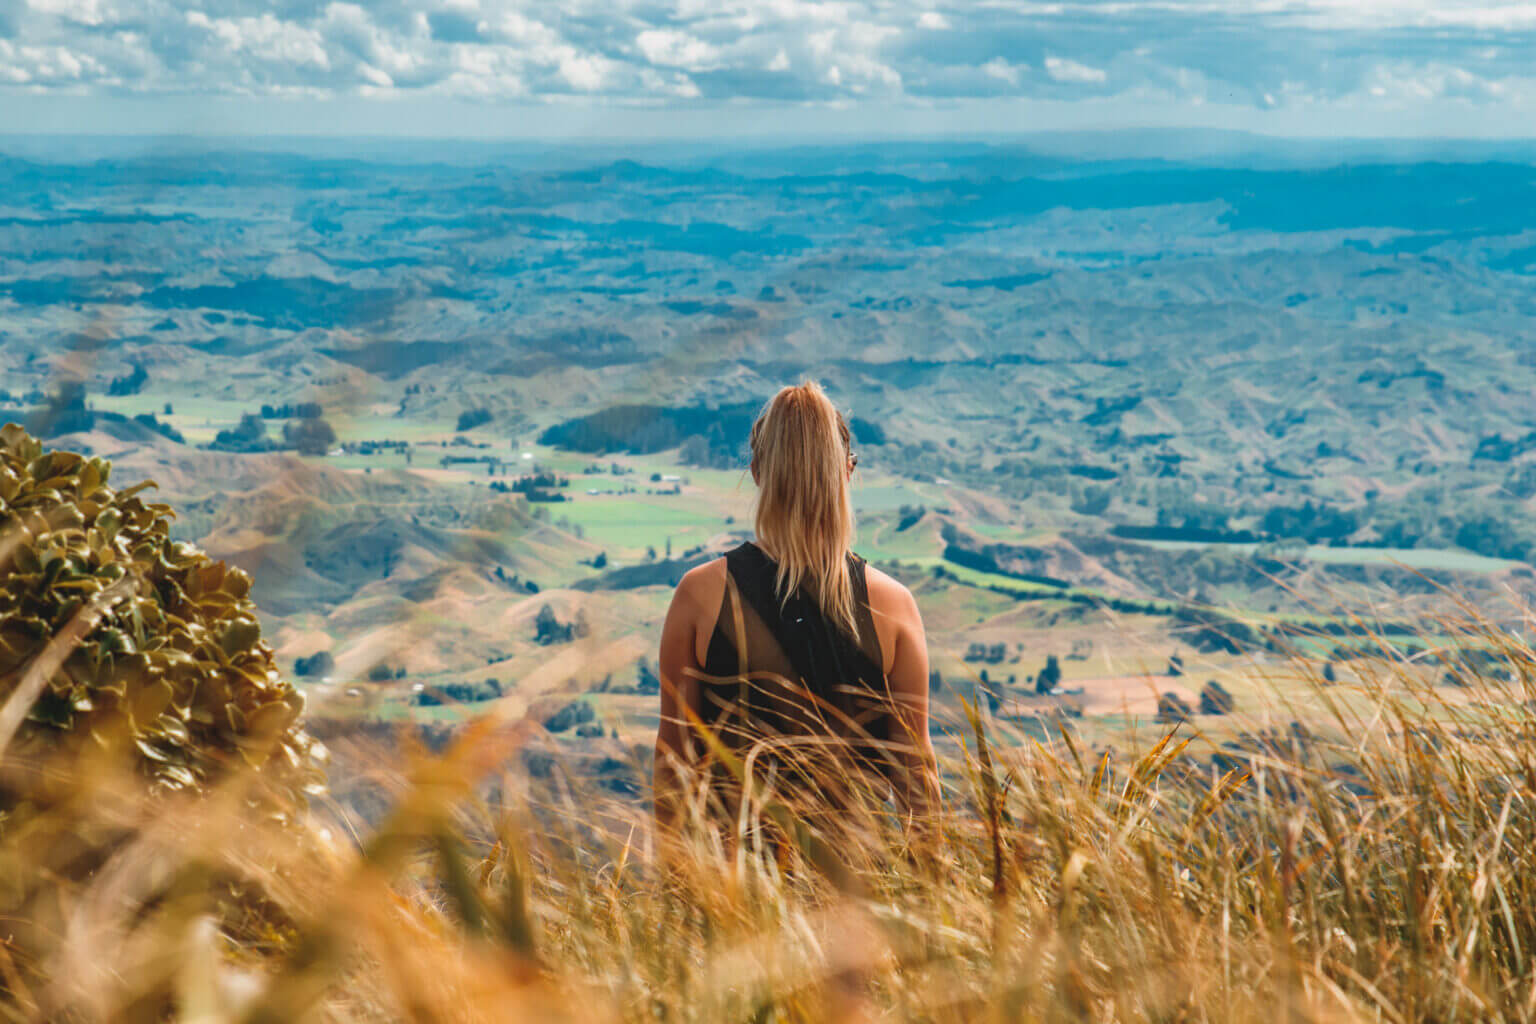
[1199,333]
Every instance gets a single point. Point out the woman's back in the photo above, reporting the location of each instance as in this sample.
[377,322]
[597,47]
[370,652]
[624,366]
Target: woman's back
[781,671]
[791,652]
[804,701]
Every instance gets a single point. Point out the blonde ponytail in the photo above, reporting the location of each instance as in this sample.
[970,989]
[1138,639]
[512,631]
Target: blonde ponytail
[800,452]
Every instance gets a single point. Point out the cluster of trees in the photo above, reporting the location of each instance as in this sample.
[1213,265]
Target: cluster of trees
[1426,517]
[1049,677]
[1497,448]
[515,582]
[293,411]
[130,384]
[458,693]
[987,561]
[250,435]
[469,419]
[536,487]
[374,447]
[577,712]
[307,436]
[991,654]
[1186,531]
[64,412]
[1214,633]
[1214,700]
[543,479]
[646,682]
[67,410]
[147,419]
[318,664]
[1172,709]
[1314,523]
[548,629]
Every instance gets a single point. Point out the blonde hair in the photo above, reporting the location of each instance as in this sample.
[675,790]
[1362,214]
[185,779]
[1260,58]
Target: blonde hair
[800,452]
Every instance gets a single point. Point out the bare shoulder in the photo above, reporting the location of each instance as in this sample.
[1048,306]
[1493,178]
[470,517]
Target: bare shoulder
[888,595]
[703,585]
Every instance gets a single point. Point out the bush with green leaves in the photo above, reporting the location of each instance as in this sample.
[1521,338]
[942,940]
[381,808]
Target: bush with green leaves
[115,638]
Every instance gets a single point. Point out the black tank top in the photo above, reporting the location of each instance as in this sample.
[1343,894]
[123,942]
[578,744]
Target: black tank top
[782,676]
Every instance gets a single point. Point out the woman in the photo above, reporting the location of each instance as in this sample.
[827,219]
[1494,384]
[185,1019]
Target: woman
[791,661]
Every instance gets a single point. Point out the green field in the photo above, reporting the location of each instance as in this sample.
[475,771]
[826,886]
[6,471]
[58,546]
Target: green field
[1447,560]
[635,522]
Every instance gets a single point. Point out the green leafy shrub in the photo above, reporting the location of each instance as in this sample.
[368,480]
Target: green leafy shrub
[159,653]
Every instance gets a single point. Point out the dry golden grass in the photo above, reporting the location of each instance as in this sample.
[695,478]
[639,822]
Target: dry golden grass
[1379,864]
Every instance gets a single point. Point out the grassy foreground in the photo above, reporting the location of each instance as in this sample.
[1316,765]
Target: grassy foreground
[1379,866]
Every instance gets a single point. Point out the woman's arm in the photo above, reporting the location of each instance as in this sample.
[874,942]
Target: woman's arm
[679,691]
[915,777]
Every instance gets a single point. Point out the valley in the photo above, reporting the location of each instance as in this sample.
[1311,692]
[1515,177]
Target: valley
[467,419]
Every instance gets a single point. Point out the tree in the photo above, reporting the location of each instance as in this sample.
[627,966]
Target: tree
[550,630]
[469,419]
[1050,676]
[131,384]
[65,411]
[694,451]
[318,664]
[1215,700]
[309,436]
[249,436]
[1171,708]
[575,713]
[646,680]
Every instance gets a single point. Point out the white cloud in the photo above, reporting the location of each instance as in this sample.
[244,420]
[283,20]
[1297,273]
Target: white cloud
[47,65]
[85,12]
[1419,83]
[347,27]
[1063,70]
[266,38]
[1003,71]
[671,48]
[676,85]
[374,76]
[519,28]
[1271,55]
[585,72]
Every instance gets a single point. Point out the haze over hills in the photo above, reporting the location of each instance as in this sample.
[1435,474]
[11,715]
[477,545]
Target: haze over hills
[1244,378]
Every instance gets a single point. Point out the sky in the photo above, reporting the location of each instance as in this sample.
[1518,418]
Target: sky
[719,68]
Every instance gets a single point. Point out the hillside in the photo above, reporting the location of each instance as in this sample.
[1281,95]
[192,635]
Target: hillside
[1088,398]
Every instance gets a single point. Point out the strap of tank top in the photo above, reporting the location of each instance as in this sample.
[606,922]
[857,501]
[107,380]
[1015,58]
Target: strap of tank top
[821,653]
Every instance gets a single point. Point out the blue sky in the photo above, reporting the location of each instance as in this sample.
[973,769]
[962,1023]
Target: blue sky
[614,68]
